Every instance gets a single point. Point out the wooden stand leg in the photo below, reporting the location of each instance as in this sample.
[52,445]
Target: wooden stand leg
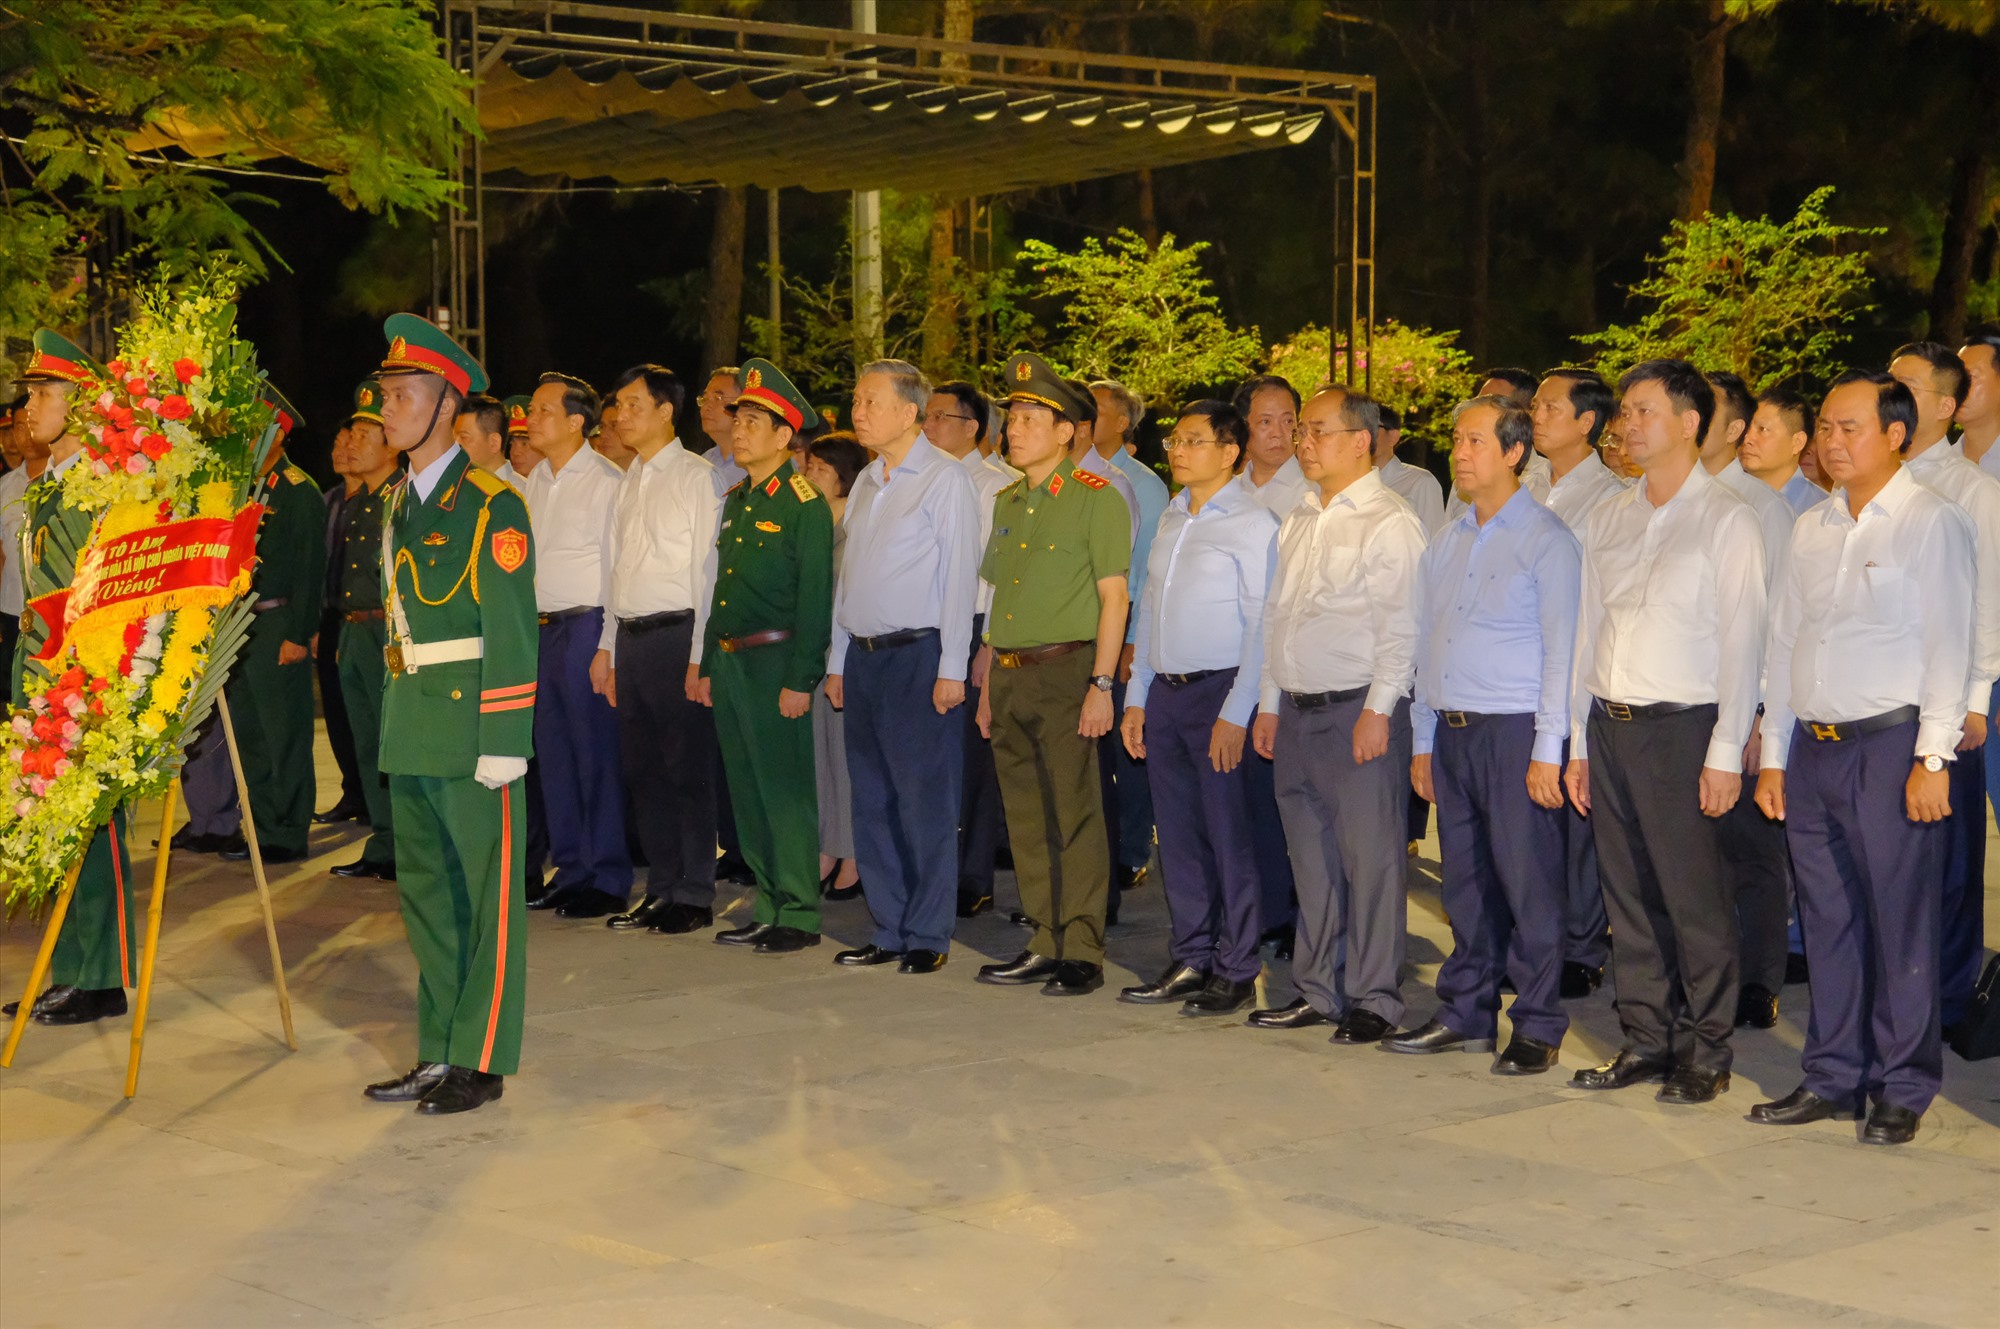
[151,951]
[257,872]
[40,971]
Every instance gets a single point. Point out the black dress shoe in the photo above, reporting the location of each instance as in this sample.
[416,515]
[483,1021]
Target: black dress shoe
[1579,980]
[1693,1084]
[867,956]
[1525,1056]
[1020,919]
[972,902]
[748,935]
[1889,1124]
[185,841]
[238,851]
[1622,1071]
[676,919]
[542,895]
[362,868]
[81,1006]
[1800,1106]
[51,996]
[420,1080]
[589,904]
[733,869]
[1796,969]
[641,915]
[1359,1026]
[1756,1007]
[1177,983]
[1025,968]
[1221,997]
[844,892]
[1295,1016]
[1131,879]
[461,1090]
[920,961]
[1074,978]
[1434,1036]
[782,940]
[340,812]
[1280,941]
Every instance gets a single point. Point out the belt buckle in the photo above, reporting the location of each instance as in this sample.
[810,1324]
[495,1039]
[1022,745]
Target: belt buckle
[541,620]
[1008,659]
[727,645]
[1617,710]
[392,656]
[1825,733]
[1455,719]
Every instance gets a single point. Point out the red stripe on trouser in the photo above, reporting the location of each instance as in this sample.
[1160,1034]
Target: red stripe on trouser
[500,952]
[492,694]
[118,880]
[487,708]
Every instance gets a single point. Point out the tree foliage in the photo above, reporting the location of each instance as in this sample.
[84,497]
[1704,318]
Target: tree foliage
[356,89]
[1421,373]
[1762,298]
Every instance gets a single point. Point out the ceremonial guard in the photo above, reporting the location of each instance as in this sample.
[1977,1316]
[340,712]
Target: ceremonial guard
[97,951]
[351,805]
[764,652]
[364,627]
[457,726]
[1062,539]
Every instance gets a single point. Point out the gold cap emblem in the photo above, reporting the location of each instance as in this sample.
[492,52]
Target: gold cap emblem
[367,397]
[1024,371]
[754,379]
[398,349]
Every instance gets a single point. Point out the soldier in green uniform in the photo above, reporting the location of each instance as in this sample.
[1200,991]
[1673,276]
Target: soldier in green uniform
[364,630]
[1057,560]
[271,689]
[97,951]
[764,653]
[458,715]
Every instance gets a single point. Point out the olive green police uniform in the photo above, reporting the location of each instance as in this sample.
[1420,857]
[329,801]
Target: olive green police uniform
[364,634]
[460,688]
[98,947]
[1051,545]
[774,574]
[272,703]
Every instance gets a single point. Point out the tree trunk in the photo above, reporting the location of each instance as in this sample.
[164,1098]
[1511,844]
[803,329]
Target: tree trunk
[1479,195]
[1969,210]
[941,319]
[722,318]
[1707,63]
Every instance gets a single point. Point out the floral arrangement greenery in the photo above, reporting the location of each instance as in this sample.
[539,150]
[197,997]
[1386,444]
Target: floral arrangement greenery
[143,605]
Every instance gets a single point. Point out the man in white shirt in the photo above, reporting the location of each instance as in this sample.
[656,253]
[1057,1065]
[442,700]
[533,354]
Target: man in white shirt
[1270,406]
[1669,643]
[1339,656]
[1978,415]
[1417,486]
[1870,648]
[30,459]
[481,433]
[662,577]
[572,500]
[1780,432]
[1936,379]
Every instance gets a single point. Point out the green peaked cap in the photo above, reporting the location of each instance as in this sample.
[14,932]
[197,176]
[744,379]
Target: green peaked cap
[367,401]
[419,346]
[517,415]
[1031,379]
[288,414]
[57,357]
[765,385]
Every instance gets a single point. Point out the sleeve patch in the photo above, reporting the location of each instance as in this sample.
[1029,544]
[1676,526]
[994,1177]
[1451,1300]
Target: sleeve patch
[510,549]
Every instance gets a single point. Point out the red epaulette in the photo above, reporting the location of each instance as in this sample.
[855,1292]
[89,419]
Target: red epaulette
[1082,476]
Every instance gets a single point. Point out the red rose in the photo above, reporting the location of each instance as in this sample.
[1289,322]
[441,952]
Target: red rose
[175,408]
[117,367]
[136,386]
[155,446]
[187,371]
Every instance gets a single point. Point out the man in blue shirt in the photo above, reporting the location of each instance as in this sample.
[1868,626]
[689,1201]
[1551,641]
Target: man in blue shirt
[1194,678]
[902,636]
[1497,595]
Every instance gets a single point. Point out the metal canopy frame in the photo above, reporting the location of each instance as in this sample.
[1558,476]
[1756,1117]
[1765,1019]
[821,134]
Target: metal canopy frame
[599,42]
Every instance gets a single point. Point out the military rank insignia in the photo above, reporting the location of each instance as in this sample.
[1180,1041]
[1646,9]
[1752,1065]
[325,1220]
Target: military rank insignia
[510,549]
[440,538]
[769,526]
[803,488]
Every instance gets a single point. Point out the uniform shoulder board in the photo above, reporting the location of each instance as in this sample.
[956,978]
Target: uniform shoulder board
[733,488]
[804,489]
[1084,477]
[485,481]
[294,474]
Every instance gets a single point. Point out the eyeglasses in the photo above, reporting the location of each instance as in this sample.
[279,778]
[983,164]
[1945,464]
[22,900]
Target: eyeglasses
[1319,435]
[1181,444]
[933,419]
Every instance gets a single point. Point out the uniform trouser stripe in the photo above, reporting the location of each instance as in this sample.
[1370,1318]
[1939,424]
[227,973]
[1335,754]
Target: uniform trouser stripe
[124,944]
[500,952]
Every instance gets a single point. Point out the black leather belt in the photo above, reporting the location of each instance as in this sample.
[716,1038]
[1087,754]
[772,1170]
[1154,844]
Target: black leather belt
[889,640]
[266,606]
[666,618]
[1466,719]
[1182,680]
[1313,701]
[558,615]
[1619,710]
[1846,731]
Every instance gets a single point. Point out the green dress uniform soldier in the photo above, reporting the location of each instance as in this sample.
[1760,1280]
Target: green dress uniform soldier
[1061,543]
[458,713]
[97,950]
[364,622]
[764,653]
[271,689]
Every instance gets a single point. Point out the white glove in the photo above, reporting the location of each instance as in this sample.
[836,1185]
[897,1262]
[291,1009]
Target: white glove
[499,772]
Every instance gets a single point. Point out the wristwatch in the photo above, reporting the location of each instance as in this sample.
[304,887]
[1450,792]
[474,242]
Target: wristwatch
[1934,763]
[1102,682]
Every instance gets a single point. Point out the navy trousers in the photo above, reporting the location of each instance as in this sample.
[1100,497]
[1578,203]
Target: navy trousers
[981,823]
[1867,880]
[576,747]
[1207,855]
[1128,799]
[1503,891]
[905,767]
[1587,930]
[1278,900]
[1963,922]
[1760,868]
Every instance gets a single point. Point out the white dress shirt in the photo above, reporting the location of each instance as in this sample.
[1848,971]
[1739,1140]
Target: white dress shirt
[1774,519]
[1341,612]
[1582,488]
[911,560]
[1279,494]
[1673,610]
[662,554]
[572,514]
[1204,602]
[505,470]
[989,475]
[1874,615]
[1988,462]
[13,516]
[1420,489]
[1976,493]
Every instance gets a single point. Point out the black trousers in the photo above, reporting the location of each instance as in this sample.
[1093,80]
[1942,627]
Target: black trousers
[666,746]
[1667,887]
[333,706]
[982,826]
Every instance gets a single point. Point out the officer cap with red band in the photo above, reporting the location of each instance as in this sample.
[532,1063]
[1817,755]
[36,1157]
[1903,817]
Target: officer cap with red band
[419,346]
[57,358]
[517,415]
[765,385]
[288,414]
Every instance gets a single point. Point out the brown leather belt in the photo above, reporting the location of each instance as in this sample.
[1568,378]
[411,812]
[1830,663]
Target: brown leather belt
[364,615]
[750,640]
[1034,655]
[267,606]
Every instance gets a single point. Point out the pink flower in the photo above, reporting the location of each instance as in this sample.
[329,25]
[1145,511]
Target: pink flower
[24,807]
[137,465]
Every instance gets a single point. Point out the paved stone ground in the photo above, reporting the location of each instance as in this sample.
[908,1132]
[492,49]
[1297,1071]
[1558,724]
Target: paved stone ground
[704,1138]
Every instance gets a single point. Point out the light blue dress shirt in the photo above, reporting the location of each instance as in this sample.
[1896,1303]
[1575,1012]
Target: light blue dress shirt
[912,556]
[728,474]
[1204,601]
[1496,621]
[1151,493]
[1802,493]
